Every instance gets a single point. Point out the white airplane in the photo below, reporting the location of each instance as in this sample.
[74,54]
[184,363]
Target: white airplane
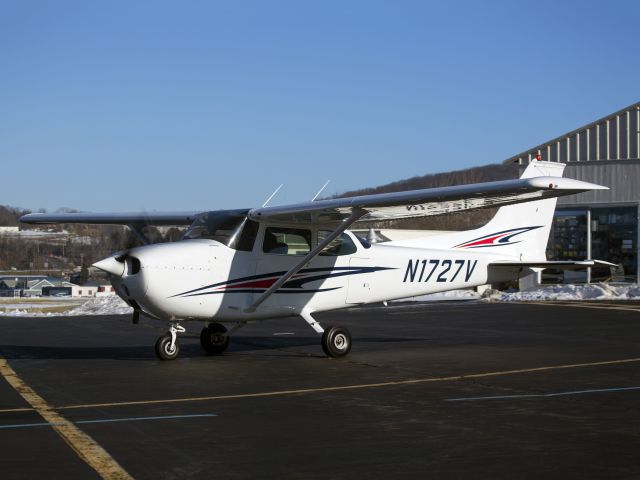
[238,266]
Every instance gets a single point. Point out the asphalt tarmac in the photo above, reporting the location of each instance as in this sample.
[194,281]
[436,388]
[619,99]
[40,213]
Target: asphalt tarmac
[448,390]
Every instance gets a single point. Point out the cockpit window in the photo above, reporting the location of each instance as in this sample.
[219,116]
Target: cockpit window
[232,229]
[286,241]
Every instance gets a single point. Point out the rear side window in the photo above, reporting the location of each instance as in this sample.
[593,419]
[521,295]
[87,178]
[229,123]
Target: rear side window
[286,241]
[342,245]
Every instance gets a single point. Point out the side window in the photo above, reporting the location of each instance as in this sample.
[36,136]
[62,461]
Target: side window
[343,245]
[286,241]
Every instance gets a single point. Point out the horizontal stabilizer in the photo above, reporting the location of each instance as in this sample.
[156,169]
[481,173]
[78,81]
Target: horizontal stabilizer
[559,264]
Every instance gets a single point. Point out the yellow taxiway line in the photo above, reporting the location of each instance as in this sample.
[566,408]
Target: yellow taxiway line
[277,393]
[81,443]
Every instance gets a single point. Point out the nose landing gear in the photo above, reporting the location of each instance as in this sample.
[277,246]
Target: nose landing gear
[167,346]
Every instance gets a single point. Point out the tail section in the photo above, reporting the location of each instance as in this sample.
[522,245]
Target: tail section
[522,229]
[518,231]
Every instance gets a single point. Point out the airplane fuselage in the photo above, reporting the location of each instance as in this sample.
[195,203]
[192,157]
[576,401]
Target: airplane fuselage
[205,280]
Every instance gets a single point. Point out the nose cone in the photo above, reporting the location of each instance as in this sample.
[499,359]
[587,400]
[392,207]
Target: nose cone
[111,265]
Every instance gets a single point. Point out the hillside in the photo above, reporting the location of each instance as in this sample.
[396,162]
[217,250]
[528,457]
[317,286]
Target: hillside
[9,216]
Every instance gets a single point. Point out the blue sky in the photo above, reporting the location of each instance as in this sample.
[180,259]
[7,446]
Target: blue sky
[119,105]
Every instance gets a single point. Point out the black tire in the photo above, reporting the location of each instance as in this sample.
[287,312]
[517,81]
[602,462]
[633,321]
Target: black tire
[214,339]
[163,348]
[336,341]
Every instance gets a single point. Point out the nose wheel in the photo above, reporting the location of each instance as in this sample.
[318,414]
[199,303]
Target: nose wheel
[167,346]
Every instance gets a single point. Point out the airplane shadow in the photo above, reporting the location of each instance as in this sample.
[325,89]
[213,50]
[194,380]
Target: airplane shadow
[189,349]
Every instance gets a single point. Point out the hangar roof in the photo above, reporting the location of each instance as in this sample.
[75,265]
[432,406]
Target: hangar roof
[614,137]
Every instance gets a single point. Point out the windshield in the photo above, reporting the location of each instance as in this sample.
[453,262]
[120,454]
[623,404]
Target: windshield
[231,228]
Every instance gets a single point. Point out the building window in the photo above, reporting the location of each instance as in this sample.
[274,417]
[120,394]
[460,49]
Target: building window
[614,234]
[567,241]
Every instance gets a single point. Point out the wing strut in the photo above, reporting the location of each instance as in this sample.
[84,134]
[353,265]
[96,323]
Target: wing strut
[135,228]
[346,223]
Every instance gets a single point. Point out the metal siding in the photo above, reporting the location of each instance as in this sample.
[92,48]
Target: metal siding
[621,178]
[633,140]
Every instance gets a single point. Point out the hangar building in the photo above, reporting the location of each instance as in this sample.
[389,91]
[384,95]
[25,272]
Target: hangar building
[601,224]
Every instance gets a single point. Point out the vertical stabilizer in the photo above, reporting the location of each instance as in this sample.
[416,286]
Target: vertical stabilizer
[520,230]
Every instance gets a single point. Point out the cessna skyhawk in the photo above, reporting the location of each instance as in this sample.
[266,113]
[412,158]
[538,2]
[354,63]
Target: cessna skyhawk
[237,266]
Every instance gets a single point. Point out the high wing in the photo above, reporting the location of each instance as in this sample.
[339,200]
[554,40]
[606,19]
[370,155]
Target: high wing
[422,203]
[130,218]
[385,206]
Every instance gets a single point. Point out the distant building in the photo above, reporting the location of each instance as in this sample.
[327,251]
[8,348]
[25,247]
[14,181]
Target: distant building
[10,287]
[71,290]
[601,224]
[33,288]
[40,285]
[105,290]
[17,285]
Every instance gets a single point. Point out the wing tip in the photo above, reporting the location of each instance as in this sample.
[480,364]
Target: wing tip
[561,183]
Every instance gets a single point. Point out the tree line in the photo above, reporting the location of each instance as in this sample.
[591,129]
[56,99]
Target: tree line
[9,215]
[83,245]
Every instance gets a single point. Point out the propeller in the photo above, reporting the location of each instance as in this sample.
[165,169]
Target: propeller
[113,265]
[117,264]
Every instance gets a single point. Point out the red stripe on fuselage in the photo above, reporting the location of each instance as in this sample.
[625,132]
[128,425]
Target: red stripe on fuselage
[264,283]
[484,241]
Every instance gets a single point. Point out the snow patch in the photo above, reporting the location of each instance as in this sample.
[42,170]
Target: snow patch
[111,305]
[443,296]
[595,291]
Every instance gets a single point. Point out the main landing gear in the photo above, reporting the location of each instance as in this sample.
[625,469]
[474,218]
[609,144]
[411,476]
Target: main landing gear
[214,339]
[336,341]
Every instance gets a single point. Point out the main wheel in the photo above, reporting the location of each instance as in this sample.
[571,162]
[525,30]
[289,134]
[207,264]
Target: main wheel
[164,350]
[214,339]
[336,341]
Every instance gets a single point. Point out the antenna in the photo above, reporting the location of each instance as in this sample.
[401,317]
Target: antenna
[272,195]
[320,191]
